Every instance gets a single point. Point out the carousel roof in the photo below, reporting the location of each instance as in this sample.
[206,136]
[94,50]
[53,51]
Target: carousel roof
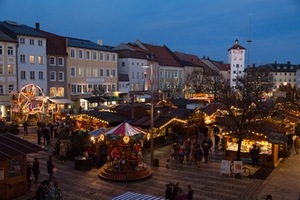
[136,196]
[124,129]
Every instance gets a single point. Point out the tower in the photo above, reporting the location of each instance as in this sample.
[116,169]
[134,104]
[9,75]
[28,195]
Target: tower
[236,59]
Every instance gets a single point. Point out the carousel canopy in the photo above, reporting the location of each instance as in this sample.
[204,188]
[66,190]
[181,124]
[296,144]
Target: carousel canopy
[135,196]
[97,132]
[124,129]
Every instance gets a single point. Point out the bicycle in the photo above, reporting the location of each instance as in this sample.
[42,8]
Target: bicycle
[246,170]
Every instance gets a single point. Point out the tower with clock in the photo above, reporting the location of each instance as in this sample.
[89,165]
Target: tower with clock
[236,59]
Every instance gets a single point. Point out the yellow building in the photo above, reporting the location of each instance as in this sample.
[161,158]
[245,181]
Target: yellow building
[91,69]
[8,71]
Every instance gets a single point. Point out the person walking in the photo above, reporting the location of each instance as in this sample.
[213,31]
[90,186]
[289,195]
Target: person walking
[46,135]
[181,195]
[28,172]
[198,156]
[168,192]
[205,152]
[205,132]
[187,151]
[25,125]
[217,137]
[39,134]
[55,192]
[193,154]
[40,193]
[181,154]
[175,190]
[201,129]
[50,166]
[254,152]
[63,153]
[36,169]
[297,144]
[190,192]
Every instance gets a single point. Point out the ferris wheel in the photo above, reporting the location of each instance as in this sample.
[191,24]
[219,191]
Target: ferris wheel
[30,101]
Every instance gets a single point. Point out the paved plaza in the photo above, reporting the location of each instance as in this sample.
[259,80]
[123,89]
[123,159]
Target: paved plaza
[207,182]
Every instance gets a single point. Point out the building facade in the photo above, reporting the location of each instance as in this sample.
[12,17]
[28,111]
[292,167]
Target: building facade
[90,67]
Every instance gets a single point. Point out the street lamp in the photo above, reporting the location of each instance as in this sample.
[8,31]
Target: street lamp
[111,89]
[151,115]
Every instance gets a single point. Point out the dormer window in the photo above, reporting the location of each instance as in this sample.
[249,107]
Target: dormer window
[284,67]
[278,67]
[292,67]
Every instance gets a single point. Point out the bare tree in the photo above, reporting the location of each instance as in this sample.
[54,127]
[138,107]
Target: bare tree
[292,99]
[196,80]
[215,81]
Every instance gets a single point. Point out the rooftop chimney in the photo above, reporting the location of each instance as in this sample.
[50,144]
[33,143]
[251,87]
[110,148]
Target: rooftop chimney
[289,63]
[203,57]
[207,58]
[275,63]
[37,26]
[236,41]
[100,42]
[253,65]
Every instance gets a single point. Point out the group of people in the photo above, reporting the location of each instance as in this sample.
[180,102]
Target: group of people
[174,192]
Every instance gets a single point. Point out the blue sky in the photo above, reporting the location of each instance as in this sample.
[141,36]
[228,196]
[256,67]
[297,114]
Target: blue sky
[199,27]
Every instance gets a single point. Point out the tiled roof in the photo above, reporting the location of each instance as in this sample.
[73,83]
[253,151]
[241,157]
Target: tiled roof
[19,29]
[12,146]
[180,102]
[180,113]
[6,38]
[56,44]
[236,46]
[163,55]
[122,108]
[126,53]
[212,108]
[86,44]
[123,77]
[140,121]
[219,65]
[136,48]
[289,68]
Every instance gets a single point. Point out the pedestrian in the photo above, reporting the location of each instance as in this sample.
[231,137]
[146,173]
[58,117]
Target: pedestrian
[190,192]
[193,154]
[181,195]
[168,192]
[205,152]
[181,154]
[50,166]
[187,151]
[176,150]
[176,137]
[39,134]
[297,144]
[142,144]
[36,169]
[40,193]
[172,153]
[269,197]
[25,125]
[175,190]
[55,192]
[254,152]
[28,172]
[217,137]
[51,130]
[63,153]
[198,155]
[201,129]
[46,135]
[205,132]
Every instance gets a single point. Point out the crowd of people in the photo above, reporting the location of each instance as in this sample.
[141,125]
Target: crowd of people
[174,192]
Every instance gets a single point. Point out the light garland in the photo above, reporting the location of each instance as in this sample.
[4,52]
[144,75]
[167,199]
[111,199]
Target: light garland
[126,139]
[174,119]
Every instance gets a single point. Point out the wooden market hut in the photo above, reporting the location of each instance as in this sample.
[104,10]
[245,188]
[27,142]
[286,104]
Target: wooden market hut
[13,150]
[269,152]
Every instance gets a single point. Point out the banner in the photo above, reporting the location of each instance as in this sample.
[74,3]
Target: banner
[225,167]
[238,167]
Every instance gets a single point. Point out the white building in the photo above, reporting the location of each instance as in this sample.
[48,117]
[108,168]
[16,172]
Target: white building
[31,54]
[236,59]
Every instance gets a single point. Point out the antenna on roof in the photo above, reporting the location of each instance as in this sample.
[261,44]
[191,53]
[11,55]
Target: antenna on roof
[249,41]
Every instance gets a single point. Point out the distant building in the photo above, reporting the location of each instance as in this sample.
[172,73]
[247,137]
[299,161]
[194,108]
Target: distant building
[236,59]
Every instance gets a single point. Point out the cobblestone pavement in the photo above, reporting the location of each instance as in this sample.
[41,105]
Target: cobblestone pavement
[206,180]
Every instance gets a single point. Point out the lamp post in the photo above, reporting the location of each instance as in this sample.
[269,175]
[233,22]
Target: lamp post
[111,89]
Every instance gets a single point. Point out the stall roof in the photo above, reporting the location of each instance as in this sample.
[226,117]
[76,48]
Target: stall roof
[212,108]
[180,113]
[61,100]
[135,196]
[106,116]
[12,146]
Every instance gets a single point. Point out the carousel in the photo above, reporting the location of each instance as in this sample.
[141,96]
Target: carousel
[28,104]
[124,158]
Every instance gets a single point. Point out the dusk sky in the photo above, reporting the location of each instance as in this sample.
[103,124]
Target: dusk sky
[202,28]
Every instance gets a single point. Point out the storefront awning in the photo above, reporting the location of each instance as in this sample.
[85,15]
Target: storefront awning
[4,103]
[61,100]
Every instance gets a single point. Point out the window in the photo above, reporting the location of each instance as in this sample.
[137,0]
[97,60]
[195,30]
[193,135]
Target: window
[107,72]
[88,72]
[16,168]
[84,88]
[155,66]
[294,80]
[275,80]
[132,75]
[60,92]
[95,56]
[280,80]
[95,72]
[10,88]
[22,40]
[240,72]
[176,74]
[138,75]
[284,80]
[113,87]
[149,76]
[60,76]
[88,55]
[114,57]
[73,53]
[155,77]
[41,75]
[172,74]
[275,73]
[237,65]
[41,60]
[161,74]
[60,62]
[290,74]
[180,74]
[166,74]
[101,56]
[107,57]
[280,74]
[10,69]
[40,43]
[10,51]
[1,50]
[52,60]
[32,75]
[285,74]
[79,88]
[132,63]
[90,88]
[123,64]
[73,71]
[169,74]
[114,73]
[132,87]
[52,76]
[80,72]
[80,54]
[290,80]
[73,88]
[31,59]
[137,63]
[22,58]
[31,41]
[52,92]
[101,72]
[23,75]
[161,85]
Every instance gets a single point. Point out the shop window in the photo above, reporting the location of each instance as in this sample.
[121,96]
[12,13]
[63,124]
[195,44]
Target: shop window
[15,168]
